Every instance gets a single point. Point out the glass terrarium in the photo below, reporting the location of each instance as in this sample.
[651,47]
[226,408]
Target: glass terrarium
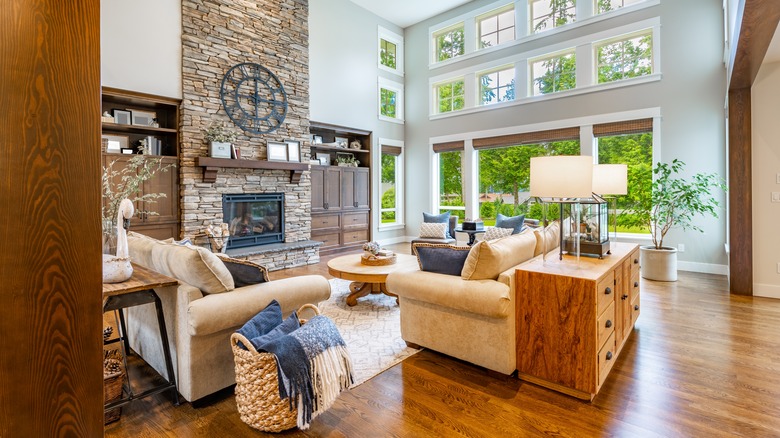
[592,229]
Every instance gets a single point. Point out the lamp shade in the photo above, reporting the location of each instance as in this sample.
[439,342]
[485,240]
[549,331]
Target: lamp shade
[569,176]
[610,179]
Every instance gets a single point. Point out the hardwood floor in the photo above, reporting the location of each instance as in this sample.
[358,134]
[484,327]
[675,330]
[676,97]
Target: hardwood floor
[699,363]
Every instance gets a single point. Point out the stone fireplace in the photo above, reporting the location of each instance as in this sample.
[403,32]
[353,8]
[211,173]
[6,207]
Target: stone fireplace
[254,218]
[217,35]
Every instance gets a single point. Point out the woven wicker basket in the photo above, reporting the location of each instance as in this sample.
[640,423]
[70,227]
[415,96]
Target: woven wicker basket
[257,387]
[377,261]
[112,390]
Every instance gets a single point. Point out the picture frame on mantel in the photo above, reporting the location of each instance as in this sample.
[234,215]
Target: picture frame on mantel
[293,150]
[277,151]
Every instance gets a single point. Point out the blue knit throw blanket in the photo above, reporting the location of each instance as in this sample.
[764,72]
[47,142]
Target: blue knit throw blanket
[313,367]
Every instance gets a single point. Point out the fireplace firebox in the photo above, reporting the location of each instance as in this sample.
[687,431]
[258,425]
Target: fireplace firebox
[254,219]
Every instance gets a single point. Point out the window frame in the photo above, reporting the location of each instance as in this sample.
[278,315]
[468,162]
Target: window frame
[398,40]
[498,70]
[445,30]
[531,18]
[398,88]
[399,185]
[494,14]
[597,45]
[438,207]
[437,100]
[623,5]
[559,54]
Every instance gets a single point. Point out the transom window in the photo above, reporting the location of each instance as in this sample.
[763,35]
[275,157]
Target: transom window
[602,6]
[388,102]
[497,27]
[449,43]
[497,86]
[387,53]
[549,14]
[626,58]
[450,96]
[553,74]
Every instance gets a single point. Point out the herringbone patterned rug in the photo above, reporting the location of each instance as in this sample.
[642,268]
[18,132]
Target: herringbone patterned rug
[371,330]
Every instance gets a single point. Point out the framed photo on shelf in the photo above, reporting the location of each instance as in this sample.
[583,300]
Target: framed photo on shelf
[293,150]
[235,152]
[122,117]
[115,143]
[277,151]
[341,142]
[317,139]
[143,118]
[323,158]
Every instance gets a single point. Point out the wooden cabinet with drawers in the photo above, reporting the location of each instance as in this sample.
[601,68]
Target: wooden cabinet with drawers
[573,320]
[340,208]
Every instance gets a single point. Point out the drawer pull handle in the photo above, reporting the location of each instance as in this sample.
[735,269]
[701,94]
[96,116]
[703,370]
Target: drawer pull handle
[607,291]
[636,284]
[609,323]
[636,307]
[609,355]
[624,297]
[636,261]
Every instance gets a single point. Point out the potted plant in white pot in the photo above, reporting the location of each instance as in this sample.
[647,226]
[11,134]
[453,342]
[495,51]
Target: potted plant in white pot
[220,141]
[673,202]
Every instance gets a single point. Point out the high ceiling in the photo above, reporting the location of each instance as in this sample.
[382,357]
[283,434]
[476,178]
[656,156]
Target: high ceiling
[405,13]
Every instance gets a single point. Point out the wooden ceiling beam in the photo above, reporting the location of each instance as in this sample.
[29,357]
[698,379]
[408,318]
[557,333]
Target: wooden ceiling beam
[756,23]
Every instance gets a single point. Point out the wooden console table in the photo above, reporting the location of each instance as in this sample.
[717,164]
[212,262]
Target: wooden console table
[139,289]
[572,321]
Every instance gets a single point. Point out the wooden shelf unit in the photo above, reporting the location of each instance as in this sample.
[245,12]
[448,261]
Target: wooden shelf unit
[341,196]
[572,322]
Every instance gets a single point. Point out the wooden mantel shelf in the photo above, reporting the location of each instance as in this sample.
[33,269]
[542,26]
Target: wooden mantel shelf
[211,167]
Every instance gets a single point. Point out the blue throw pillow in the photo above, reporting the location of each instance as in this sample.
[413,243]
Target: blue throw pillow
[285,328]
[441,259]
[443,218]
[262,323]
[516,223]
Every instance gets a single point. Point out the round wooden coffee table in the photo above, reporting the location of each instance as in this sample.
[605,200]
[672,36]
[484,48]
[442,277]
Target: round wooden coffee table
[367,279]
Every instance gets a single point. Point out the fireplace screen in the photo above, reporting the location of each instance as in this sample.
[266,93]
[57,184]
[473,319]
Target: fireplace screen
[254,219]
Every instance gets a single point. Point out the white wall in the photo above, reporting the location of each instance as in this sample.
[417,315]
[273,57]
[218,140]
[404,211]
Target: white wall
[343,79]
[140,46]
[690,95]
[766,167]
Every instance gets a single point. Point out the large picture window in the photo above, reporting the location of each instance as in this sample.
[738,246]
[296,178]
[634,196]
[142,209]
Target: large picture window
[553,74]
[549,14]
[391,190]
[451,183]
[497,27]
[450,96]
[497,86]
[628,57]
[449,43]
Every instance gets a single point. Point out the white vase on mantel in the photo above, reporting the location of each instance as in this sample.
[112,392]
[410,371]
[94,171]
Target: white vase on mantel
[658,264]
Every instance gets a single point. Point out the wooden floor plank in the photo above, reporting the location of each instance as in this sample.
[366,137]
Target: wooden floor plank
[699,363]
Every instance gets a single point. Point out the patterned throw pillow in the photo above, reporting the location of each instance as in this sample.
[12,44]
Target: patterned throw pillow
[443,218]
[493,233]
[441,259]
[434,231]
[515,223]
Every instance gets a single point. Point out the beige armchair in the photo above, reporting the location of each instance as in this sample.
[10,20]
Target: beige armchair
[202,312]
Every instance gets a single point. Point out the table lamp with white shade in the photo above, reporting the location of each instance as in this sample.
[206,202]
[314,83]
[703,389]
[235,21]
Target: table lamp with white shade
[611,179]
[562,179]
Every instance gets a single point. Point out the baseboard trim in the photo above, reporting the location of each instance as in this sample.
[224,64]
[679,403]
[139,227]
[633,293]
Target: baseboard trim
[704,268]
[766,290]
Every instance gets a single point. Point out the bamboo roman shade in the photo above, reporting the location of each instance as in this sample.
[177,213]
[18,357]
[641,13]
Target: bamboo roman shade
[391,150]
[638,126]
[449,146]
[561,134]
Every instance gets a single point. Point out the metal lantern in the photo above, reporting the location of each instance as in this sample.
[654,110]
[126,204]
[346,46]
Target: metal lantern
[592,229]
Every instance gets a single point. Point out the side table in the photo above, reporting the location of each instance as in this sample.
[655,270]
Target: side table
[472,234]
[138,290]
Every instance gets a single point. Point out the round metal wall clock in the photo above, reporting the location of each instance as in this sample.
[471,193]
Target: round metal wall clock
[253,98]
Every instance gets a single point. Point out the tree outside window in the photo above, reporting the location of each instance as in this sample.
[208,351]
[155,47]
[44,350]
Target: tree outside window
[497,29]
[387,53]
[389,194]
[636,151]
[610,5]
[451,183]
[628,58]
[554,74]
[449,44]
[450,96]
[497,86]
[388,102]
[549,14]
[505,175]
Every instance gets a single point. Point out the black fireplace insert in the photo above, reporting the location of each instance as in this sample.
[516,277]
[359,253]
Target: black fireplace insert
[254,218]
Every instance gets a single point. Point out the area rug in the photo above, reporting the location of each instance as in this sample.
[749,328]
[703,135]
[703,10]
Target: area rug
[371,329]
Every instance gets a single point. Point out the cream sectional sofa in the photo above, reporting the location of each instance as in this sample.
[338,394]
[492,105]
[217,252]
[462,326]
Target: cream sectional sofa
[202,311]
[471,316]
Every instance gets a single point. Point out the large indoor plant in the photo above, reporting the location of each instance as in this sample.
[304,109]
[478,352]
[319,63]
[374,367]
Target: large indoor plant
[673,202]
